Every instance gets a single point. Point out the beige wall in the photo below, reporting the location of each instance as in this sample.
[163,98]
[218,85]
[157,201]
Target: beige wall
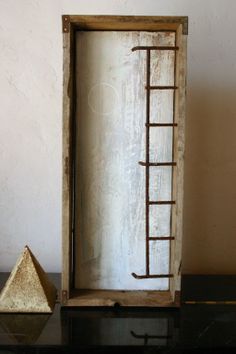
[210,174]
[30,133]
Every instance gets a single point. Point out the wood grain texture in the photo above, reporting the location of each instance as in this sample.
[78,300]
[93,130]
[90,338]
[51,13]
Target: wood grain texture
[126,23]
[67,160]
[122,298]
[178,177]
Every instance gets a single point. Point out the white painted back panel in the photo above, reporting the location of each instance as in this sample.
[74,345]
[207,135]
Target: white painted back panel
[110,185]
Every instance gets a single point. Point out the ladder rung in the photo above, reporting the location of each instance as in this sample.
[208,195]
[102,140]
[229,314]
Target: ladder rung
[161,125]
[161,202]
[161,87]
[155,48]
[157,163]
[147,336]
[161,238]
[146,276]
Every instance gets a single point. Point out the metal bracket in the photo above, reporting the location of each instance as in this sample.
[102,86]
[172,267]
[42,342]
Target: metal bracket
[64,297]
[66,165]
[65,23]
[177,298]
[185,24]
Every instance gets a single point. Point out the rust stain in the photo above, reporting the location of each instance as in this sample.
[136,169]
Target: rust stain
[65,24]
[66,166]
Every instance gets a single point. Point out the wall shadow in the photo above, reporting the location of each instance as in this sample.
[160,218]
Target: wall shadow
[209,243]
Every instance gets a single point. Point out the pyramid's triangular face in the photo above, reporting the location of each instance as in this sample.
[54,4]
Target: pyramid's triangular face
[28,288]
[23,328]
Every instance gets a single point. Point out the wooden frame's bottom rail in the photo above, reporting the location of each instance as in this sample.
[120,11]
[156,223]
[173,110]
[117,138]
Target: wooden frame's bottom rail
[113,298]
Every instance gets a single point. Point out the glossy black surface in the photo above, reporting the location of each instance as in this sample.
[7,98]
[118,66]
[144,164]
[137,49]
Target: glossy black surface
[190,329]
[209,287]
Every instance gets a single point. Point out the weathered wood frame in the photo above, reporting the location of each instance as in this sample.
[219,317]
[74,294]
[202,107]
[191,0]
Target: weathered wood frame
[71,24]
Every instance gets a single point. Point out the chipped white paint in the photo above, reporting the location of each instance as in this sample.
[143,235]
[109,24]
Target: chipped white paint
[110,205]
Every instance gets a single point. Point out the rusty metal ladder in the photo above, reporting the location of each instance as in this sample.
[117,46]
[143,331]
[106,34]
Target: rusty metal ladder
[147,164]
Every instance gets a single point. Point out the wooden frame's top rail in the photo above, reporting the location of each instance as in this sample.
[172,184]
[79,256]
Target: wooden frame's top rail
[124,23]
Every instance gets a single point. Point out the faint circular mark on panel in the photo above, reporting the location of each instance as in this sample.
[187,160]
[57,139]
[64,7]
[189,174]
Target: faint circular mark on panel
[102,98]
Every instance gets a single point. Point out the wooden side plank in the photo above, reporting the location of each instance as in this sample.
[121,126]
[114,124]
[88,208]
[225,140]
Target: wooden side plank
[178,177]
[67,163]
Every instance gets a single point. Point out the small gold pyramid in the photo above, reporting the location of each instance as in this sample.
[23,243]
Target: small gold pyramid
[28,288]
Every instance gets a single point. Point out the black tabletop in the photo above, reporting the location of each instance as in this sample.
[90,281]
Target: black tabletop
[192,328]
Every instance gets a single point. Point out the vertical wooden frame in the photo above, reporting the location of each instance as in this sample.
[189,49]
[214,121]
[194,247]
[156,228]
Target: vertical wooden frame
[68,142]
[178,172]
[71,24]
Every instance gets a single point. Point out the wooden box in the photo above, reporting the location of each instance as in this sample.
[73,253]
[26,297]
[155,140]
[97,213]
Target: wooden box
[123,148]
